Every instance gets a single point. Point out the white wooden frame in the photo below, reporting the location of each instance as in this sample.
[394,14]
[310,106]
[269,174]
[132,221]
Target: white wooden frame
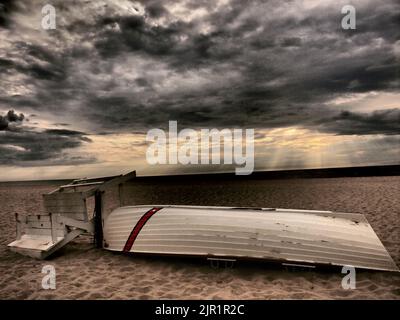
[64,219]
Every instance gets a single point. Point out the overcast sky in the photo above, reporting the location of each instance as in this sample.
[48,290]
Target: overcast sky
[78,100]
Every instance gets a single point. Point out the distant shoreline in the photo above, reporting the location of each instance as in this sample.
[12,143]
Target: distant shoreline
[364,171]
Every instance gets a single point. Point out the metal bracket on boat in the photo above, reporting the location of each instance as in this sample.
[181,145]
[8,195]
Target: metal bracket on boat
[216,263]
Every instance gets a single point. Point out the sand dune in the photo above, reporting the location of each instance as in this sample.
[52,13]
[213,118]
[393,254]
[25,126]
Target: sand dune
[84,272]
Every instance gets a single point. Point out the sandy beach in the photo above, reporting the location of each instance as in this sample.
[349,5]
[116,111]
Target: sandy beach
[84,272]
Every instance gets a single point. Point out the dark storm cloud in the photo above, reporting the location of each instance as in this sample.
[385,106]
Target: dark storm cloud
[377,122]
[64,132]
[291,42]
[27,146]
[156,10]
[264,64]
[38,62]
[7,8]
[136,35]
[11,116]
[58,124]
[253,101]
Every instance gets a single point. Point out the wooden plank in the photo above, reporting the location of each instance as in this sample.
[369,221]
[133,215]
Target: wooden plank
[42,232]
[80,217]
[42,225]
[53,219]
[64,196]
[118,180]
[66,209]
[36,254]
[41,246]
[68,238]
[32,245]
[81,185]
[69,204]
[102,179]
[43,222]
[111,183]
[64,202]
[87,226]
[75,215]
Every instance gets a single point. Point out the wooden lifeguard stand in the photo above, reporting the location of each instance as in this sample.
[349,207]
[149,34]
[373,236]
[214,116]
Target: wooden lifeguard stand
[65,217]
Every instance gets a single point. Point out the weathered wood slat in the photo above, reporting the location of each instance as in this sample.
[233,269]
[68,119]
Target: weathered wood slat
[118,180]
[84,225]
[42,225]
[66,209]
[64,202]
[77,185]
[63,196]
[41,246]
[43,232]
[79,216]
[69,204]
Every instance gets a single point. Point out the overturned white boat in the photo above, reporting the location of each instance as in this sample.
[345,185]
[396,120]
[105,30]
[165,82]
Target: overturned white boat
[288,236]
[291,237]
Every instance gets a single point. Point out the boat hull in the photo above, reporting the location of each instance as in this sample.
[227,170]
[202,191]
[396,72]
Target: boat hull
[289,236]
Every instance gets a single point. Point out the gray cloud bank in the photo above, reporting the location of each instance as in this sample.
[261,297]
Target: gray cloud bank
[26,146]
[121,66]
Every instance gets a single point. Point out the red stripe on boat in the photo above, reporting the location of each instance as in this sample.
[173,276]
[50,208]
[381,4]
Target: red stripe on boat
[139,225]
